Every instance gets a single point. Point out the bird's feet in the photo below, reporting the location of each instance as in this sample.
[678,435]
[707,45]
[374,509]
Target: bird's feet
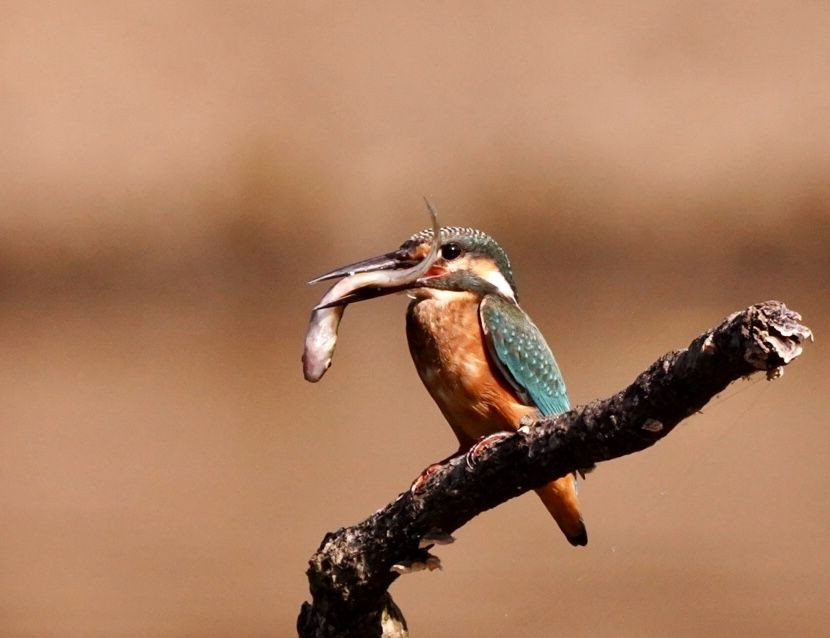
[423,477]
[474,452]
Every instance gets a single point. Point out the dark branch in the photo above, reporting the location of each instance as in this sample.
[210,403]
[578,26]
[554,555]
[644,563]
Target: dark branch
[351,571]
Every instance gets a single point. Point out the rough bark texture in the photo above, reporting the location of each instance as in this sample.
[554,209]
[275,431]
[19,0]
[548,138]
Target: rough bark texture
[351,571]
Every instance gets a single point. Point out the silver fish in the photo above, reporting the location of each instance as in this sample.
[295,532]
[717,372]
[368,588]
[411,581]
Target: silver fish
[321,336]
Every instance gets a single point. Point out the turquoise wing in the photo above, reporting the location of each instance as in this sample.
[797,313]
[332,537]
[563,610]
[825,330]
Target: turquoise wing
[522,356]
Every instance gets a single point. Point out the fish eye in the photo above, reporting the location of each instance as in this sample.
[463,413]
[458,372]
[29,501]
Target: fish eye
[450,251]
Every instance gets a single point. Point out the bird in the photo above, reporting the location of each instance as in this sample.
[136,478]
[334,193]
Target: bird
[479,355]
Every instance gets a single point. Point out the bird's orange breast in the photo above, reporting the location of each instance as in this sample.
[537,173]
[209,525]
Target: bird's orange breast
[447,346]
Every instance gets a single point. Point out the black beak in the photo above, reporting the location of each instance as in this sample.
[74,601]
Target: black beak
[397,260]
[390,261]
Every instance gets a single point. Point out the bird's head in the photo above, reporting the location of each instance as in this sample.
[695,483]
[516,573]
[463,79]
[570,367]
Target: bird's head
[469,261]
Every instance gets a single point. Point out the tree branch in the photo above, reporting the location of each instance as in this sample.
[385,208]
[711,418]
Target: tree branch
[351,571]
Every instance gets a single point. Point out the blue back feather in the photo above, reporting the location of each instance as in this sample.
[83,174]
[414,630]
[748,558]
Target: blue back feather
[522,355]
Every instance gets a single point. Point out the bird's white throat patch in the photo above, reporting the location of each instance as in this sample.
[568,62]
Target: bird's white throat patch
[498,280]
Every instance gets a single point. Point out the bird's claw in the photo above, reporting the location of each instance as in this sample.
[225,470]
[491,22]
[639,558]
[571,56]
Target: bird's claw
[419,483]
[483,444]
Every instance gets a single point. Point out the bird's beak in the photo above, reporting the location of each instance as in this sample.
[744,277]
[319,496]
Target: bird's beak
[396,260]
[396,265]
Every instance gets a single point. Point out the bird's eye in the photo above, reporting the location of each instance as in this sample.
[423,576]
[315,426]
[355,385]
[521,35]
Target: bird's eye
[450,251]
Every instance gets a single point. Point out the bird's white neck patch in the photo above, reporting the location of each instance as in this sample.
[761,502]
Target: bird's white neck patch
[498,280]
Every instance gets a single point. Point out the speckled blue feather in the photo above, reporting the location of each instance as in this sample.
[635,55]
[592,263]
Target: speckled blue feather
[522,355]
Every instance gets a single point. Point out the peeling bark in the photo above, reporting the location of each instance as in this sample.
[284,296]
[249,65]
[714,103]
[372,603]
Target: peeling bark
[350,573]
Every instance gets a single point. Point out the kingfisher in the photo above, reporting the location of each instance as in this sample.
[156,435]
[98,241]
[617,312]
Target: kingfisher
[481,358]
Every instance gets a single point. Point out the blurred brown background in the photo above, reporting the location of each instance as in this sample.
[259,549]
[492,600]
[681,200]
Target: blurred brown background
[172,173]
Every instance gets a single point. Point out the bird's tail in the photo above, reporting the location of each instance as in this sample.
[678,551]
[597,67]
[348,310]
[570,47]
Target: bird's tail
[560,498]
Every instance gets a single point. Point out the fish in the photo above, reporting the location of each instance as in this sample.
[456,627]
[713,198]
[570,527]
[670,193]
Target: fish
[321,335]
